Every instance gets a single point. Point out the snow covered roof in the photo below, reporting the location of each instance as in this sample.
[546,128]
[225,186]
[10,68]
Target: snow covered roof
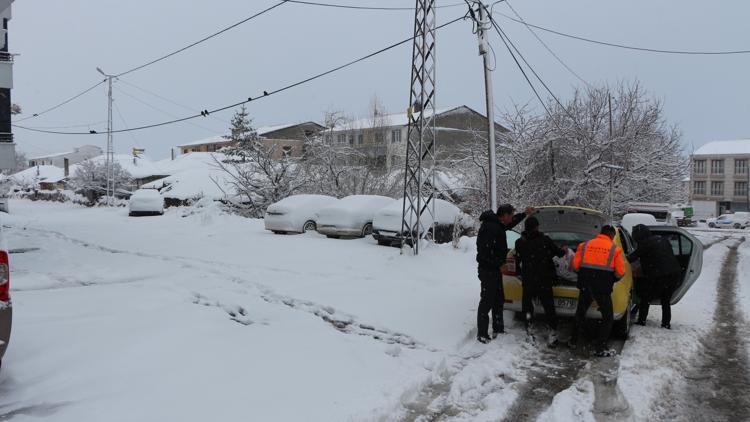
[394,119]
[139,168]
[192,175]
[62,154]
[36,174]
[740,146]
[262,130]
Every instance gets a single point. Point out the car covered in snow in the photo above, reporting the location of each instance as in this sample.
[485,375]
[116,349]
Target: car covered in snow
[633,219]
[146,202]
[569,226]
[386,226]
[738,220]
[6,306]
[296,213]
[351,216]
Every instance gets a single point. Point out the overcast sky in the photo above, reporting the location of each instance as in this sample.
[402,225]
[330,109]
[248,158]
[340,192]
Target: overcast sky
[60,43]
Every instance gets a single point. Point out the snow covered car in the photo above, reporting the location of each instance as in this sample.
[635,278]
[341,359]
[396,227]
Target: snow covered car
[351,216]
[6,306]
[296,213]
[633,219]
[146,202]
[386,226]
[571,225]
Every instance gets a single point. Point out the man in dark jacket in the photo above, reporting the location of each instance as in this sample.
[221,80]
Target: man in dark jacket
[661,273]
[534,253]
[492,250]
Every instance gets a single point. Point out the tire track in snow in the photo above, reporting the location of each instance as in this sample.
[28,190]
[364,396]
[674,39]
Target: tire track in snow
[342,322]
[717,382]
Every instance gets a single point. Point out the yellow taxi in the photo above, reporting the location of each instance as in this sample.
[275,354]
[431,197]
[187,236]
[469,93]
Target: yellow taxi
[570,226]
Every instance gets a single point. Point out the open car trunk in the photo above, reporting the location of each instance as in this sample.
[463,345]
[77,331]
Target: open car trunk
[568,226]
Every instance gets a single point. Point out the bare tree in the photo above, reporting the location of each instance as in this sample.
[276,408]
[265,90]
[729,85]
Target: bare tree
[90,180]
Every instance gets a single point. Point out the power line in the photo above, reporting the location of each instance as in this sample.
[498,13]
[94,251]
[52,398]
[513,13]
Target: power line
[84,92]
[165,99]
[627,47]
[346,6]
[560,60]
[265,94]
[166,56]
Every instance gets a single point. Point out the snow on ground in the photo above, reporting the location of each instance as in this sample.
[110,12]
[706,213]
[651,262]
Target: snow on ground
[743,279]
[197,316]
[653,357]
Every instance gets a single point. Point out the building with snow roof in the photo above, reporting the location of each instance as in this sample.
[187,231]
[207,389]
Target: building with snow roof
[382,137]
[75,156]
[720,177]
[288,139]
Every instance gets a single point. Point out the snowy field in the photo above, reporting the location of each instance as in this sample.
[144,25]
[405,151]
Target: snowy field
[198,315]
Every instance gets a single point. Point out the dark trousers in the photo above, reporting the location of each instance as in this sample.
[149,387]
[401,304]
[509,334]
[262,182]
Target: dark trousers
[543,290]
[604,300]
[491,299]
[662,289]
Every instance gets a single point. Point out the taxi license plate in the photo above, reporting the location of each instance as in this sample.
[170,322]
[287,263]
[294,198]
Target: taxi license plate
[561,302]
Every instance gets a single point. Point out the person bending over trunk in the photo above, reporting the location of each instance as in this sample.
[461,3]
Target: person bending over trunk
[661,273]
[492,250]
[534,252]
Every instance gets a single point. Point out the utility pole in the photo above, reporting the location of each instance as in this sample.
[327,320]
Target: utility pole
[609,101]
[110,167]
[482,26]
[419,175]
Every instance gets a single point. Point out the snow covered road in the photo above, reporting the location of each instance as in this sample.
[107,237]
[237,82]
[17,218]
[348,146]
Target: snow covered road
[198,316]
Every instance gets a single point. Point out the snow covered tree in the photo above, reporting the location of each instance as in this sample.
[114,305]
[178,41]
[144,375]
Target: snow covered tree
[242,133]
[90,180]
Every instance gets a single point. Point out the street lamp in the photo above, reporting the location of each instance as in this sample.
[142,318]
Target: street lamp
[110,146]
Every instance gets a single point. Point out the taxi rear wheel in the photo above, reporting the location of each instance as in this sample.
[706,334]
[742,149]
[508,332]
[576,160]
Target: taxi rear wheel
[622,326]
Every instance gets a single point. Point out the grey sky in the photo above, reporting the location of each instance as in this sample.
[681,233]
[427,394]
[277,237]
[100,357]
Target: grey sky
[61,42]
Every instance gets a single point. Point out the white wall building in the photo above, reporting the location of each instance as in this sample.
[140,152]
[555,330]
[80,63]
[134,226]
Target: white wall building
[79,154]
[720,178]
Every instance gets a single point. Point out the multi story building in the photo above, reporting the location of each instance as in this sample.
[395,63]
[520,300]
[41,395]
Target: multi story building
[720,177]
[381,138]
[7,146]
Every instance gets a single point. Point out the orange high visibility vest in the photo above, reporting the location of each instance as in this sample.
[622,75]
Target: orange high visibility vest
[600,253]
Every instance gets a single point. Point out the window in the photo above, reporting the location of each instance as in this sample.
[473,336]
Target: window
[351,140]
[379,137]
[699,188]
[717,188]
[699,167]
[740,188]
[740,166]
[341,138]
[360,139]
[717,166]
[395,136]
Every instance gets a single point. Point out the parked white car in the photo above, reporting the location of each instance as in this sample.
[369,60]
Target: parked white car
[738,220]
[146,202]
[296,213]
[351,216]
[633,219]
[386,226]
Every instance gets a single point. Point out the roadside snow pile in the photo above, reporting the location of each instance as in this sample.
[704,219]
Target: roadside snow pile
[574,404]
[191,177]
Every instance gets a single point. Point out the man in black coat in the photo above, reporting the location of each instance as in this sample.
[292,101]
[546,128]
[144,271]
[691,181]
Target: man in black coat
[534,252]
[492,250]
[662,272]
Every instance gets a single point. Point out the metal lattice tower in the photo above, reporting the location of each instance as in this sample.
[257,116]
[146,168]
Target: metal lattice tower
[110,163]
[419,177]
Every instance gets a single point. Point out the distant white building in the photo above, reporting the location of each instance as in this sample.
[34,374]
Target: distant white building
[79,154]
[720,177]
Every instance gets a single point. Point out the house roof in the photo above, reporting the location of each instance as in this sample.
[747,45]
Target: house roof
[740,146]
[61,154]
[262,131]
[139,168]
[36,174]
[400,119]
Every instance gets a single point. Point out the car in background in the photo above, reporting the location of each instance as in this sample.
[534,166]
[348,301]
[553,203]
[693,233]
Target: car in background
[569,226]
[146,202]
[6,305]
[296,213]
[738,220]
[633,219]
[386,225]
[351,216]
